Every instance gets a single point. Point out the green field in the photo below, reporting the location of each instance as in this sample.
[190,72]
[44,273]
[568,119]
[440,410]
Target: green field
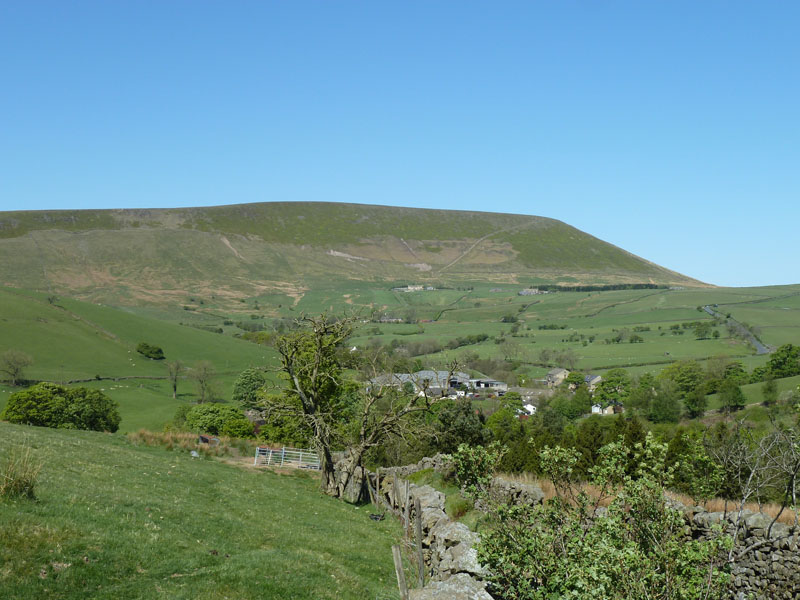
[71,339]
[114,520]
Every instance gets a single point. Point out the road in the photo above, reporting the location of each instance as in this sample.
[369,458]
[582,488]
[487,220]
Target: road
[743,331]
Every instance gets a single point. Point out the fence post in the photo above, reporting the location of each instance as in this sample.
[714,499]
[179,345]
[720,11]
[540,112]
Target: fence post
[398,569]
[407,512]
[255,460]
[420,556]
[283,454]
[301,458]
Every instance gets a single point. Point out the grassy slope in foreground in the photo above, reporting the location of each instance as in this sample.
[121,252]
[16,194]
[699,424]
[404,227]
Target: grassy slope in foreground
[113,520]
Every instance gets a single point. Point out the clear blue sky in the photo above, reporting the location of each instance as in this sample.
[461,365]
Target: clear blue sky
[671,129]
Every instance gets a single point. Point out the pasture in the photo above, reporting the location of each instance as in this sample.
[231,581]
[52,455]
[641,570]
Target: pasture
[115,520]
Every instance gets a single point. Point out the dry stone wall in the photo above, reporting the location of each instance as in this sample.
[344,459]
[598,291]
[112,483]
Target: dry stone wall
[766,563]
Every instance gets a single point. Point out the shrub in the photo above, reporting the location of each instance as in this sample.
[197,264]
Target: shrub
[217,419]
[153,352]
[19,474]
[475,466]
[52,405]
[568,548]
[247,386]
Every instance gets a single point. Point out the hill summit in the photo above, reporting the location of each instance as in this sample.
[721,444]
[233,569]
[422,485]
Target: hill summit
[158,256]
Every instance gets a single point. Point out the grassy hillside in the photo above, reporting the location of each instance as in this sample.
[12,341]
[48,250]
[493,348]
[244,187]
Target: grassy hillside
[71,340]
[113,520]
[134,257]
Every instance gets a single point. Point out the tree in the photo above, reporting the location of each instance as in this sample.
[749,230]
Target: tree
[203,374]
[695,403]
[769,391]
[51,405]
[568,548]
[218,419]
[247,387]
[731,396]
[457,423]
[785,362]
[666,406]
[687,374]
[150,351]
[340,412]
[13,363]
[702,330]
[174,370]
[614,387]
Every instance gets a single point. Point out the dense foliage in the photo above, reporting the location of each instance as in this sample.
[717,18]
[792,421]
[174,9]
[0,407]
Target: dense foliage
[150,351]
[573,547]
[247,386]
[218,419]
[52,405]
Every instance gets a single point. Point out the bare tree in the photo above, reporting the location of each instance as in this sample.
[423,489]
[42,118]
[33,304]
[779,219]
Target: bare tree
[203,374]
[13,363]
[343,413]
[174,370]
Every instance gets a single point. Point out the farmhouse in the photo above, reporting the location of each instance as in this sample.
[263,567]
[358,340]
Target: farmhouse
[433,381]
[592,381]
[488,384]
[556,377]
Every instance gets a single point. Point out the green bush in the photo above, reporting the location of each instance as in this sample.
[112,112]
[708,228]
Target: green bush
[52,405]
[247,386]
[571,548]
[149,351]
[218,419]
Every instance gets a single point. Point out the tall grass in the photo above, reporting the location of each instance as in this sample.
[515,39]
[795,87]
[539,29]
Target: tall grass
[179,440]
[19,474]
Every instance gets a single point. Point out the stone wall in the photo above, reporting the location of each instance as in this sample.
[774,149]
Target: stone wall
[766,563]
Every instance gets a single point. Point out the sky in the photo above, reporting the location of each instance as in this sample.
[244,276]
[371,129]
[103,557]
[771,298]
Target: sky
[670,129]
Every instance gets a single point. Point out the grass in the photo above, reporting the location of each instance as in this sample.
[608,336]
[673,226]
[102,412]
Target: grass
[19,474]
[118,520]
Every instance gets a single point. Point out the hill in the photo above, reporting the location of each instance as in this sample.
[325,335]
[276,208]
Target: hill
[114,520]
[161,256]
[73,340]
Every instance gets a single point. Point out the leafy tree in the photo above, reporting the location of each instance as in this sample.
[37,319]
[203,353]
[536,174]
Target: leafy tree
[731,396]
[150,351]
[687,374]
[702,330]
[614,387]
[735,371]
[642,394]
[13,363]
[784,362]
[566,548]
[695,403]
[174,370]
[575,379]
[340,413]
[218,419]
[247,386]
[666,406]
[475,467]
[51,405]
[457,423]
[769,391]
